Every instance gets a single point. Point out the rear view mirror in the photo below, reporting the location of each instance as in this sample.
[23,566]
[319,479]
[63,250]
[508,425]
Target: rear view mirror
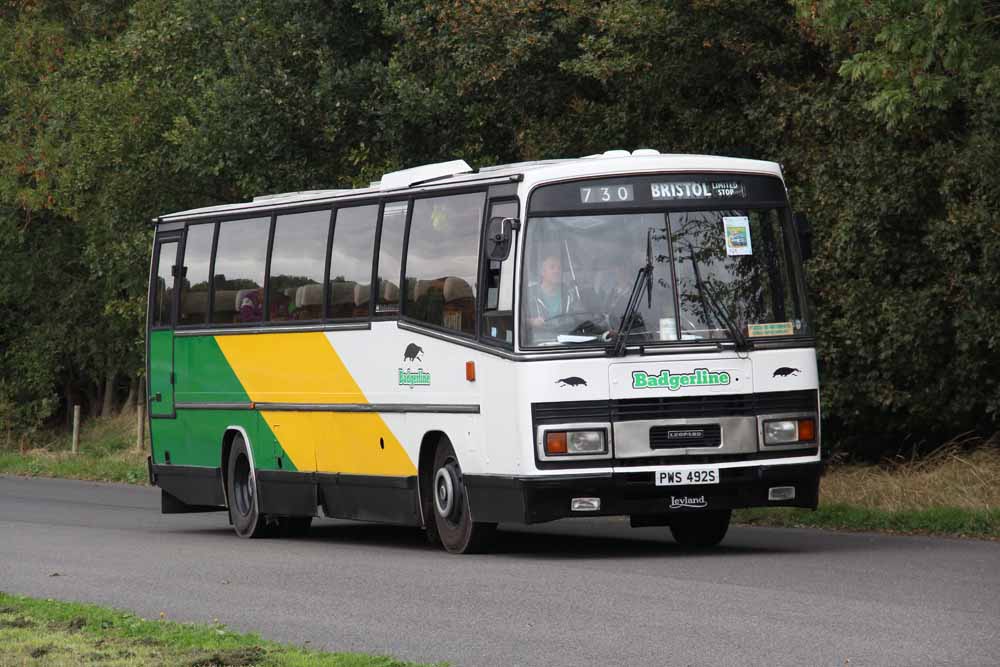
[499,234]
[804,230]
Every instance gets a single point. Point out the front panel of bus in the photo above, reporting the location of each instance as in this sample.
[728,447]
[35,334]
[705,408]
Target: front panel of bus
[706,393]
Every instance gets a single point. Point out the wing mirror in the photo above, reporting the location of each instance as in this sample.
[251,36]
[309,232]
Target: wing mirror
[805,232]
[499,237]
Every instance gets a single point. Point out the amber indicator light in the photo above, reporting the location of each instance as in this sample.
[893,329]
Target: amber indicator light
[807,430]
[555,443]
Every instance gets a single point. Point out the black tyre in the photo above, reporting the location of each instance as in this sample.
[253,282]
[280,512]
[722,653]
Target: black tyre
[450,521]
[241,490]
[700,529]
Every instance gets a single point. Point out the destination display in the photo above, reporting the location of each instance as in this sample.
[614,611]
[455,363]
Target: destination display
[698,190]
[655,190]
[606,194]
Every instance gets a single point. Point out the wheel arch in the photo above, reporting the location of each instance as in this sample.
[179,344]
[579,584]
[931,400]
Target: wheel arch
[425,468]
[228,437]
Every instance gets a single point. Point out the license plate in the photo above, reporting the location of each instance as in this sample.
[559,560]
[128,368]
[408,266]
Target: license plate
[685,477]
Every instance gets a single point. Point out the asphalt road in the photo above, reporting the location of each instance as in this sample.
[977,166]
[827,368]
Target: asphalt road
[581,592]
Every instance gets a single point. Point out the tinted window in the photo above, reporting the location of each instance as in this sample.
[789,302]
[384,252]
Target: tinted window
[441,261]
[238,288]
[194,288]
[351,261]
[163,289]
[389,256]
[298,258]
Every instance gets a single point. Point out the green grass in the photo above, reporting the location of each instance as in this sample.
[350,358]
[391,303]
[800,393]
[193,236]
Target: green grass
[48,632]
[950,521]
[107,453]
[952,491]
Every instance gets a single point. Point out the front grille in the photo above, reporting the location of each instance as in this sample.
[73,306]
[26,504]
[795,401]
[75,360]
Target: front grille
[679,437]
[725,405]
[675,407]
[682,407]
[567,412]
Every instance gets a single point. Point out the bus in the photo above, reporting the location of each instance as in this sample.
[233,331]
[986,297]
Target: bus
[624,334]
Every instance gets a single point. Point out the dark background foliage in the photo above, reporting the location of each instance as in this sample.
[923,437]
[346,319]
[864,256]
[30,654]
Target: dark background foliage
[884,114]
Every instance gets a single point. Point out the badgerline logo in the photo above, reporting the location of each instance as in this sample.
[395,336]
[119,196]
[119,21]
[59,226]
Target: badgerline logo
[700,377]
[412,378]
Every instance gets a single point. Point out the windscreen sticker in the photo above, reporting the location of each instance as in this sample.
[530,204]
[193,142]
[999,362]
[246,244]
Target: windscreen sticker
[770,329]
[737,230]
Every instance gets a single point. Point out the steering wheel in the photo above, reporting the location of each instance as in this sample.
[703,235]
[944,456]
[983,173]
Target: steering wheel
[592,317]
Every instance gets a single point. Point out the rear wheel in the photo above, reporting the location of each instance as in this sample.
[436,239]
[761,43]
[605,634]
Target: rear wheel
[241,489]
[700,529]
[452,520]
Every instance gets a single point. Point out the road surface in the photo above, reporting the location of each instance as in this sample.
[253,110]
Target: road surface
[577,592]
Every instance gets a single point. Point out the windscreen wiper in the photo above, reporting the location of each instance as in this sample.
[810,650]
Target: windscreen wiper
[720,313]
[643,279]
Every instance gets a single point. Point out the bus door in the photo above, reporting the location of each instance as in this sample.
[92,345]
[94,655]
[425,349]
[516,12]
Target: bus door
[162,314]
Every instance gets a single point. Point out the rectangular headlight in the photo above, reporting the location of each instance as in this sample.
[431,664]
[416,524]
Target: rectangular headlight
[568,443]
[781,432]
[586,442]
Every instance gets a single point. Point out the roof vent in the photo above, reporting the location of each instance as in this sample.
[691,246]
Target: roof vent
[428,172]
[639,152]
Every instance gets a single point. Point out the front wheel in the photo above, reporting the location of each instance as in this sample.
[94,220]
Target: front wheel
[452,523]
[700,529]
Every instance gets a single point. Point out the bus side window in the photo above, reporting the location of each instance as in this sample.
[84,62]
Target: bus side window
[351,261]
[193,281]
[240,256]
[498,310]
[298,257]
[390,255]
[442,258]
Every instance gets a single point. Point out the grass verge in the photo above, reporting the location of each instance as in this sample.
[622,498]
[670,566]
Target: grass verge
[66,633]
[949,492]
[107,453]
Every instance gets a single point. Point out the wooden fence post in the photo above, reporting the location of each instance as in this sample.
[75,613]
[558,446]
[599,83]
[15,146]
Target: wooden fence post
[140,426]
[76,428]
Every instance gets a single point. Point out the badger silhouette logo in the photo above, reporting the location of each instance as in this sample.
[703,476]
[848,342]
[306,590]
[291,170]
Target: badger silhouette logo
[785,371]
[571,381]
[413,352]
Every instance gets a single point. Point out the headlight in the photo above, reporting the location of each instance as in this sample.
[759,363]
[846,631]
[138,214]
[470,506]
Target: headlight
[789,431]
[568,443]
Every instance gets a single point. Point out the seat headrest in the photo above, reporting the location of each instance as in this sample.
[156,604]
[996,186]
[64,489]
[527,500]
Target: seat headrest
[308,295]
[342,292]
[455,288]
[362,293]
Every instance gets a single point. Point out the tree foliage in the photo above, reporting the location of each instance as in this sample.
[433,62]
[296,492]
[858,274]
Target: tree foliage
[883,112]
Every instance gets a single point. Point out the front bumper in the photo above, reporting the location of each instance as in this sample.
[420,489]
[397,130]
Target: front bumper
[539,499]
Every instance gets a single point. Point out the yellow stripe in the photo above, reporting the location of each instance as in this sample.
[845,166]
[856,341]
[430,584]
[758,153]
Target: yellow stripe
[304,368]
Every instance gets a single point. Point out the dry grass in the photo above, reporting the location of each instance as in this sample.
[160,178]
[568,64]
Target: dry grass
[107,453]
[954,491]
[952,476]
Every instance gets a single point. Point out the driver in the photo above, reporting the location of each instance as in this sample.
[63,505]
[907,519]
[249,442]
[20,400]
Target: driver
[546,299]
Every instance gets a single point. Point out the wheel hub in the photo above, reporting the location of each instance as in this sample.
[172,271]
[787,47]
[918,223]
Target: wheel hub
[446,485]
